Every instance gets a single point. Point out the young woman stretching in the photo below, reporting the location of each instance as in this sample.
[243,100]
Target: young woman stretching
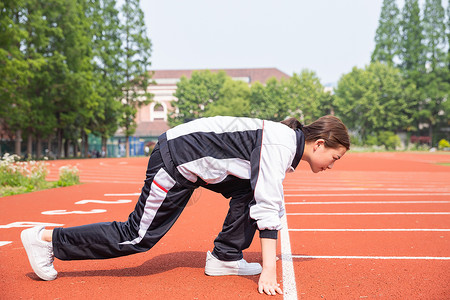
[242,158]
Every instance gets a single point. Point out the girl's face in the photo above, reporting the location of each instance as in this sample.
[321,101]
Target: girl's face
[323,158]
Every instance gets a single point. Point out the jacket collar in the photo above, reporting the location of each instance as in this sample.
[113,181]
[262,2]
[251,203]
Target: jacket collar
[300,148]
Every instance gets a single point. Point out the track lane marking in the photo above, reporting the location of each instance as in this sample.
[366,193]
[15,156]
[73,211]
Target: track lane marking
[372,257]
[129,194]
[21,224]
[369,214]
[367,202]
[441,189]
[367,195]
[78,212]
[368,229]
[120,201]
[289,284]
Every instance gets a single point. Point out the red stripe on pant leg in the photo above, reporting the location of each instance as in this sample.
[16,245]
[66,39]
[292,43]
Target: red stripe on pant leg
[158,185]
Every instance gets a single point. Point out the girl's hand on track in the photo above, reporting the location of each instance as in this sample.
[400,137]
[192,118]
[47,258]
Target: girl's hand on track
[268,282]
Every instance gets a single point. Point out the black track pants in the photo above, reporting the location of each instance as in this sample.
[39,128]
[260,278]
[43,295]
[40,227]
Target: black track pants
[160,204]
[238,228]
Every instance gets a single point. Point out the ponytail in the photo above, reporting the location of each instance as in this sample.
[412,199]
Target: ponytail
[329,128]
[293,123]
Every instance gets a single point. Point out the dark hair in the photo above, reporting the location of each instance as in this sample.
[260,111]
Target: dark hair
[328,128]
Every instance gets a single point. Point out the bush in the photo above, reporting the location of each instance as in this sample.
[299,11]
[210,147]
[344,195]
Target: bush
[68,176]
[21,173]
[17,177]
[371,140]
[443,144]
[389,139]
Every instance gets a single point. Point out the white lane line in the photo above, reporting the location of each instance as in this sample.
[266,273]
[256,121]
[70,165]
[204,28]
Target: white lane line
[367,195]
[369,214]
[129,194]
[78,212]
[407,189]
[3,243]
[289,284]
[369,229]
[120,201]
[372,257]
[111,181]
[367,202]
[29,224]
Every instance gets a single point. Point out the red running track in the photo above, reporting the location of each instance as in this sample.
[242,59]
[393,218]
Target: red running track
[376,226]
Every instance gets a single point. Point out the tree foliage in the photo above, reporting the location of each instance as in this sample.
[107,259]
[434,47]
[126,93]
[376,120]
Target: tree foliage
[137,48]
[66,66]
[374,99]
[195,95]
[424,62]
[387,35]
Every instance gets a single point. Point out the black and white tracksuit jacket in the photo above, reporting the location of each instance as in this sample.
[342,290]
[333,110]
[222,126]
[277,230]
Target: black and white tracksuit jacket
[242,158]
[211,149]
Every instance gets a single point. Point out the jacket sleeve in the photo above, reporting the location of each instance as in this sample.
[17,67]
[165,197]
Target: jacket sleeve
[267,181]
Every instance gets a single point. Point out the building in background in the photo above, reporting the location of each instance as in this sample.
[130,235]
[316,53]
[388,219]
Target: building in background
[152,119]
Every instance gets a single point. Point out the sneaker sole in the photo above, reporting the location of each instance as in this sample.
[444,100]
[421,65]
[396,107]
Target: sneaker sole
[220,272]
[24,236]
[224,272]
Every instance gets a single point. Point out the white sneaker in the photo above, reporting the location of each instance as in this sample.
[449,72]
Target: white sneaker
[216,267]
[40,253]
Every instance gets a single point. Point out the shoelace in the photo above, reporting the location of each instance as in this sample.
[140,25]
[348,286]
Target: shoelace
[50,255]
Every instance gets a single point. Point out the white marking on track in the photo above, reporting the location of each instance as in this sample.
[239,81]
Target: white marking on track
[289,284]
[29,224]
[129,194]
[120,201]
[371,257]
[3,243]
[368,202]
[110,181]
[408,189]
[78,212]
[369,214]
[369,229]
[367,195]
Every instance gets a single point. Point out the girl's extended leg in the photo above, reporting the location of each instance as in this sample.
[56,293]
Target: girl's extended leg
[161,202]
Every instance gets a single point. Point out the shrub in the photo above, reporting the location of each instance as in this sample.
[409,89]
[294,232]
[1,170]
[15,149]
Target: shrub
[443,144]
[389,139]
[21,173]
[68,176]
[17,177]
[371,140]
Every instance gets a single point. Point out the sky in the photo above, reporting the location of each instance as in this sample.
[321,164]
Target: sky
[328,37]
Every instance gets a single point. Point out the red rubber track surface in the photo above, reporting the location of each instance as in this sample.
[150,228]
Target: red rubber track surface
[174,268]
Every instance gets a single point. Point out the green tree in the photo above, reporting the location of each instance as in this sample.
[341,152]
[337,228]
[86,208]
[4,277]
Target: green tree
[233,100]
[14,68]
[448,37]
[435,85]
[373,99]
[75,109]
[306,96]
[411,44]
[434,34]
[387,34]
[195,95]
[107,52]
[270,101]
[136,64]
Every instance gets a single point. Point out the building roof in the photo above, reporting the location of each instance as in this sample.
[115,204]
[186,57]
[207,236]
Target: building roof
[148,129]
[253,74]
